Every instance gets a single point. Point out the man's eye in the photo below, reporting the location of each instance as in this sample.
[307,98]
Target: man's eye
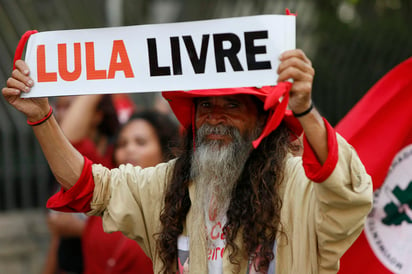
[205,104]
[233,105]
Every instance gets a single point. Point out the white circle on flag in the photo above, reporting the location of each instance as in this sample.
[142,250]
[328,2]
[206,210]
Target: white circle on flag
[389,225]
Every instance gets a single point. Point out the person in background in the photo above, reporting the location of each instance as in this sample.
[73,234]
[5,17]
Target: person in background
[90,123]
[147,139]
[160,104]
[58,239]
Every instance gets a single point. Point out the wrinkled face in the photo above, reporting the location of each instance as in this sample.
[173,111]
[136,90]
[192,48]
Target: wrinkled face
[138,145]
[238,111]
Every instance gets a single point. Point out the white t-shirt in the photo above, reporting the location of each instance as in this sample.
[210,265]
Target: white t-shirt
[217,241]
[215,253]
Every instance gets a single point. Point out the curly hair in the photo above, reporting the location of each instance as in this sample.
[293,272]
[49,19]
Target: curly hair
[255,205]
[176,206]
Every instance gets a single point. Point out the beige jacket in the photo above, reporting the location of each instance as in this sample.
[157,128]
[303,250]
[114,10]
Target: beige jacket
[321,220]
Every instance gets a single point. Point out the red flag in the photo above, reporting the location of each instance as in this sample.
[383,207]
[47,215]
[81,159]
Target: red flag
[380,129]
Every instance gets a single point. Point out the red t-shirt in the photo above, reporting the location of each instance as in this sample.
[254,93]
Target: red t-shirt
[111,253]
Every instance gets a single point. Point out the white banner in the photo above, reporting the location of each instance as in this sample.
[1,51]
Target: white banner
[219,53]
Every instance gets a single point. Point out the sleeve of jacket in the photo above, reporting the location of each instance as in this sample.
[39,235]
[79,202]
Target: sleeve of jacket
[322,218]
[343,201]
[129,199]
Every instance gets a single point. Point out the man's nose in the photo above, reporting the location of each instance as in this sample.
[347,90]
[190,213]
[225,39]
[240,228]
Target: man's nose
[216,116]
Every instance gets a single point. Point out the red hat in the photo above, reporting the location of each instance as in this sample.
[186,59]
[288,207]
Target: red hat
[275,99]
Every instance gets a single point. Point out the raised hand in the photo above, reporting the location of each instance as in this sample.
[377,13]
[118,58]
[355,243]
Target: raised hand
[296,66]
[20,81]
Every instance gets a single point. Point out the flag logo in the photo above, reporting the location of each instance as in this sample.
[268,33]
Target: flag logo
[389,225]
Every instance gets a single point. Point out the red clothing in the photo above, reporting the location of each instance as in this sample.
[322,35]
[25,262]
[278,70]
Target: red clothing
[102,252]
[112,253]
[88,149]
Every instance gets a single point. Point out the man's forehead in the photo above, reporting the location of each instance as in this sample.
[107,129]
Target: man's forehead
[229,97]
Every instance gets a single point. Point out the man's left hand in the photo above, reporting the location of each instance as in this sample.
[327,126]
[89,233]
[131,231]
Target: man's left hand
[295,66]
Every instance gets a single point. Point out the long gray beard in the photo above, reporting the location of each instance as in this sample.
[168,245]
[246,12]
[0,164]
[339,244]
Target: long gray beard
[216,167]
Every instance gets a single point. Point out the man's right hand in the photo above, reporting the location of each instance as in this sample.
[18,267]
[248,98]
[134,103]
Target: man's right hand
[20,81]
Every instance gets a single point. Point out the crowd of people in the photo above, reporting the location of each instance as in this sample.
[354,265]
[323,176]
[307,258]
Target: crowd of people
[234,198]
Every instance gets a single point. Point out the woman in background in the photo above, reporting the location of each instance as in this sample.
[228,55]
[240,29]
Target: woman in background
[147,139]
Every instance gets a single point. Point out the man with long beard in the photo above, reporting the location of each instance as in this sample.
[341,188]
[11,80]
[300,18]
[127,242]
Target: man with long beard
[236,200]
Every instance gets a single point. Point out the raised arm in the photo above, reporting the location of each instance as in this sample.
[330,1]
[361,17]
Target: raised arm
[79,119]
[64,160]
[295,65]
